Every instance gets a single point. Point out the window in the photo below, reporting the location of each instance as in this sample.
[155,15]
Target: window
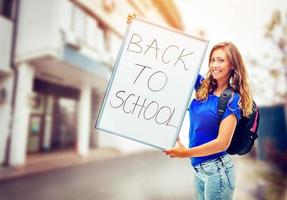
[6,8]
[79,23]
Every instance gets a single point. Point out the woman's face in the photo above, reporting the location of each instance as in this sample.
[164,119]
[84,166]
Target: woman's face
[219,65]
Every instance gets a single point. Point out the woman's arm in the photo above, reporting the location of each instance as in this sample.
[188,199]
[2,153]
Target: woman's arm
[221,143]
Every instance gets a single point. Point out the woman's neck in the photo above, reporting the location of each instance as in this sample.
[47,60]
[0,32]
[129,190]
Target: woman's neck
[221,86]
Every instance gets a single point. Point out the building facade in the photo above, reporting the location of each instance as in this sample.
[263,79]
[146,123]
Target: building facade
[7,29]
[56,60]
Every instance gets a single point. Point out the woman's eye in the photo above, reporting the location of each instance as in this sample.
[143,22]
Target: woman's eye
[221,60]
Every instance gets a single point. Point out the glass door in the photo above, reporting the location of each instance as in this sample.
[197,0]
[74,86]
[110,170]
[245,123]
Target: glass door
[64,127]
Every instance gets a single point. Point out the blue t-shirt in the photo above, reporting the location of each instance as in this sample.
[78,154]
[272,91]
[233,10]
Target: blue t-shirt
[204,124]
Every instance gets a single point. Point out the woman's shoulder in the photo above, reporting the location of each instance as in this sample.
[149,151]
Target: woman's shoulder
[234,100]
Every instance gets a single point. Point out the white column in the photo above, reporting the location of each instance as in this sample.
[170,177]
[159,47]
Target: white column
[5,116]
[48,124]
[84,117]
[20,127]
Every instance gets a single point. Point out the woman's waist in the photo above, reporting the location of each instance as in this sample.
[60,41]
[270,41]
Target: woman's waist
[222,161]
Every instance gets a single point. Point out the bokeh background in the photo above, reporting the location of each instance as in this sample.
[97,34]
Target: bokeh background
[56,58]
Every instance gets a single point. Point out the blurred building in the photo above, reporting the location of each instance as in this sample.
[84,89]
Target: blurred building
[56,58]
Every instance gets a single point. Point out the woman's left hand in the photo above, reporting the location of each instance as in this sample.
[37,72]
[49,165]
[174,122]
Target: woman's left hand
[179,151]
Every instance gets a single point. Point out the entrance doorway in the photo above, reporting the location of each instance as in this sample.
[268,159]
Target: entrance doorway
[53,118]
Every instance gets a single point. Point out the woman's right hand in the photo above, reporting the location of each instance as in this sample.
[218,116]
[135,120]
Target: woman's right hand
[131,17]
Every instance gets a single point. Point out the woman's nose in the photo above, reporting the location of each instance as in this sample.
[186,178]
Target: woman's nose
[215,65]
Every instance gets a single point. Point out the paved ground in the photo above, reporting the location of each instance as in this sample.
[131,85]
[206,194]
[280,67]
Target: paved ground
[36,163]
[145,176]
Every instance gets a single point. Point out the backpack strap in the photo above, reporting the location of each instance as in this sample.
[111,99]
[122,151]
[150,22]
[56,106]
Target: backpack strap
[222,102]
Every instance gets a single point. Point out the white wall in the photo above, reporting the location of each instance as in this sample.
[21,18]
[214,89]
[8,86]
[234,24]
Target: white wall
[35,31]
[44,25]
[6,27]
[115,44]
[5,116]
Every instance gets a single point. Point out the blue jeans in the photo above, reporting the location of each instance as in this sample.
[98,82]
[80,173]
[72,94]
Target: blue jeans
[215,179]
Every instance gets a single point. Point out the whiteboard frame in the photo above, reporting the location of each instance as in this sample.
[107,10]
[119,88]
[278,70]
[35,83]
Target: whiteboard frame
[114,70]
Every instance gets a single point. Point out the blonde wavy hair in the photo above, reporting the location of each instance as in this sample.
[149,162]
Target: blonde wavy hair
[238,79]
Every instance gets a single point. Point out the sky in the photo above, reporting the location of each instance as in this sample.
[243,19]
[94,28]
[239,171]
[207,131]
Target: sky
[243,23]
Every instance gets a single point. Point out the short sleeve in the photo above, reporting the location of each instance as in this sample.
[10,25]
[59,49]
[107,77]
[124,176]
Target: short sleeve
[233,107]
[199,79]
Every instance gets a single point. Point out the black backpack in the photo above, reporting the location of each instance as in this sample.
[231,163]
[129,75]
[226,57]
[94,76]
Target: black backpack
[246,129]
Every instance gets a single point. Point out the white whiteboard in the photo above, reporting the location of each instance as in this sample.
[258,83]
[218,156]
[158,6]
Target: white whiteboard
[151,84]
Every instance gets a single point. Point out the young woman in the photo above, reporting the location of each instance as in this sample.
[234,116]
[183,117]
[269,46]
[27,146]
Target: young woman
[209,139]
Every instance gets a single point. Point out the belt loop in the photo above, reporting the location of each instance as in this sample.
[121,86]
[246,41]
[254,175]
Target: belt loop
[201,167]
[222,160]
